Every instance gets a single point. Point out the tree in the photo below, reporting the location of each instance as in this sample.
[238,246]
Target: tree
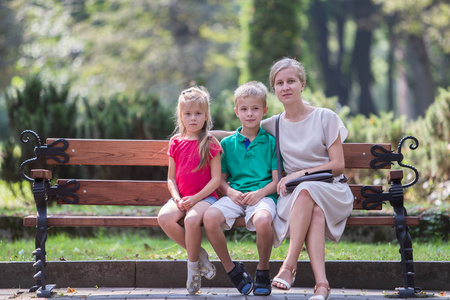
[273,32]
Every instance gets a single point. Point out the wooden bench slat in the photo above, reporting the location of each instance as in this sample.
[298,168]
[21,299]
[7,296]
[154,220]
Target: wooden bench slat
[115,152]
[358,155]
[154,153]
[151,221]
[148,193]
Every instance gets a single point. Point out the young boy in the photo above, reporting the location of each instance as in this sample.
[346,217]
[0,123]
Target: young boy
[249,179]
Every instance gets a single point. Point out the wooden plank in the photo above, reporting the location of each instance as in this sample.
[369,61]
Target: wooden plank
[115,152]
[120,192]
[154,153]
[358,155]
[149,193]
[147,221]
[41,174]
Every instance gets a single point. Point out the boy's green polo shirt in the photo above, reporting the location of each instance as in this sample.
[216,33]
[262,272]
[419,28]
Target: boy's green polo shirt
[249,169]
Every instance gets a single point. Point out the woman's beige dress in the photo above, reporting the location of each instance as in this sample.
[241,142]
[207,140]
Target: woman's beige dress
[305,145]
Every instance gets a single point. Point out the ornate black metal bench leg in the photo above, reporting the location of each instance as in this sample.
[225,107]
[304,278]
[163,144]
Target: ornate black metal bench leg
[43,290]
[406,253]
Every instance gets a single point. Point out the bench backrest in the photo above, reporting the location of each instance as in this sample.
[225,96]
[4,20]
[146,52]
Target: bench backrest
[154,153]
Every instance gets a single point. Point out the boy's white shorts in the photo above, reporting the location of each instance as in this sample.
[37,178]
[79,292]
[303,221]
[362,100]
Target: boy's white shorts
[232,211]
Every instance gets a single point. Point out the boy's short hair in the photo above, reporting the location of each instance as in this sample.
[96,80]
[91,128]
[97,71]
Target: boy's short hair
[252,88]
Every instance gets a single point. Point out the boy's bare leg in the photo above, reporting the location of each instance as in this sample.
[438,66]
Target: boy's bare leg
[262,220]
[212,221]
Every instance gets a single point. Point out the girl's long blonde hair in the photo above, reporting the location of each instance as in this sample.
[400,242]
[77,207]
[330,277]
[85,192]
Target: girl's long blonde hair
[199,95]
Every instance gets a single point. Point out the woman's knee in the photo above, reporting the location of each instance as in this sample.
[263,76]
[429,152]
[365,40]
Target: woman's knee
[317,215]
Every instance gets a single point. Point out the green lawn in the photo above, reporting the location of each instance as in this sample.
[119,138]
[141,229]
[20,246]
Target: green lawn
[138,246]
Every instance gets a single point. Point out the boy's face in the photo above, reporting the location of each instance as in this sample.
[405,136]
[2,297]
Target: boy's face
[250,111]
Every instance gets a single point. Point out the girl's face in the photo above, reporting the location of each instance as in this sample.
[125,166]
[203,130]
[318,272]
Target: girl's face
[193,118]
[288,86]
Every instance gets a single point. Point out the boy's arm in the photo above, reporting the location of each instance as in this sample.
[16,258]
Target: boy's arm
[227,190]
[251,198]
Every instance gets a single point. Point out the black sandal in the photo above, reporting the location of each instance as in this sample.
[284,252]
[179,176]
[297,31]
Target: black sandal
[241,279]
[262,286]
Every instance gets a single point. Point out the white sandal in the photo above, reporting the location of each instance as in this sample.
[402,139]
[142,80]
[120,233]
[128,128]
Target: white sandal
[287,285]
[194,283]
[208,271]
[321,297]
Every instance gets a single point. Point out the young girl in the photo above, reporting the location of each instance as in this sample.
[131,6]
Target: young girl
[194,175]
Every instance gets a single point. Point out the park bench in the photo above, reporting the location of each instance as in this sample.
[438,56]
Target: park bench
[107,152]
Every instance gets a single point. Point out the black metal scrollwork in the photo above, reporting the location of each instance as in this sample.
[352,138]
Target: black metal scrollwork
[25,139]
[373,199]
[64,191]
[385,157]
[412,146]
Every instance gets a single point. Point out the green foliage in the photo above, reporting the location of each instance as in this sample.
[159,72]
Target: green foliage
[434,225]
[273,32]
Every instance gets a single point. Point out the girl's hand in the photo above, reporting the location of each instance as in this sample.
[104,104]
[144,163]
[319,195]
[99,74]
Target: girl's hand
[251,198]
[179,204]
[237,197]
[188,202]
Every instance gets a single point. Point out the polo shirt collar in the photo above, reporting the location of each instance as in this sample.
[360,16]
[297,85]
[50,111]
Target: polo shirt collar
[258,139]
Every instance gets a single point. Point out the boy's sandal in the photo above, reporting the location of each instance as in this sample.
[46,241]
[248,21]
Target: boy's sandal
[286,284]
[194,283]
[209,271]
[262,285]
[241,279]
[321,297]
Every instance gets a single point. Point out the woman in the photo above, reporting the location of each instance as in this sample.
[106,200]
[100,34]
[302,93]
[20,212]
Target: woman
[310,140]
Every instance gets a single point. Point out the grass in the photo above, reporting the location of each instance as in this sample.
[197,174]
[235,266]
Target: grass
[137,246]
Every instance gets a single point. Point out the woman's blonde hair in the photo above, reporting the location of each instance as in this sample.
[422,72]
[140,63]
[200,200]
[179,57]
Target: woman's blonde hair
[198,95]
[285,63]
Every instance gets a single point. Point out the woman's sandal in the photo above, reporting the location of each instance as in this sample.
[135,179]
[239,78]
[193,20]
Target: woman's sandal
[208,271]
[278,280]
[262,285]
[241,279]
[194,283]
[321,297]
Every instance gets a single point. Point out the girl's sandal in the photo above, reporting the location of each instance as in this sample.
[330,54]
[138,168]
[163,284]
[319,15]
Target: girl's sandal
[277,280]
[194,283]
[321,297]
[241,279]
[206,270]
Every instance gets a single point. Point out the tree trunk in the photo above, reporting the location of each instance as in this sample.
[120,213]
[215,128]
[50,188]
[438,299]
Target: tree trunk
[420,80]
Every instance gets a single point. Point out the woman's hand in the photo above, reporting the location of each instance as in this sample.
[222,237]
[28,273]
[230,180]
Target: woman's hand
[281,186]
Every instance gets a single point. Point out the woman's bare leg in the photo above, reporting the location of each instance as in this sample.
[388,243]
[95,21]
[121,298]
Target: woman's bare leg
[299,226]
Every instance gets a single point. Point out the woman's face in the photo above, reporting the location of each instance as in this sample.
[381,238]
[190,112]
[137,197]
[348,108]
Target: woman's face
[288,86]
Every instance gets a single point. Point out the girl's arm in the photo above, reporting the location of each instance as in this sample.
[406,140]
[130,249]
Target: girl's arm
[336,164]
[220,134]
[210,187]
[172,183]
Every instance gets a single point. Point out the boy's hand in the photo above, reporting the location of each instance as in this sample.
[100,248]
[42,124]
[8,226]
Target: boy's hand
[237,197]
[251,198]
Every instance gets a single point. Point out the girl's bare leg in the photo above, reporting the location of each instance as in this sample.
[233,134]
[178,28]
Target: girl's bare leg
[168,218]
[192,225]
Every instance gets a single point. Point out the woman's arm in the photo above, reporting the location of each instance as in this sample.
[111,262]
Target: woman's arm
[336,164]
